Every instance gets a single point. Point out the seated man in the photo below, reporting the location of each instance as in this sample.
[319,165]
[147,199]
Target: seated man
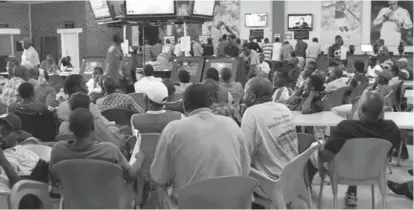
[16,162]
[268,129]
[308,70]
[199,147]
[10,89]
[93,83]
[45,93]
[184,80]
[227,84]
[156,117]
[148,78]
[84,145]
[335,80]
[359,75]
[224,109]
[405,188]
[369,125]
[28,104]
[224,96]
[116,100]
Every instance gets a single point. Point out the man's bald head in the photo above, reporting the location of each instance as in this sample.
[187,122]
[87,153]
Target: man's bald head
[372,107]
[259,86]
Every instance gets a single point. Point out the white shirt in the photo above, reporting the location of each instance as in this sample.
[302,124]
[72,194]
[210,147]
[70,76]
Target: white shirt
[145,83]
[92,89]
[277,46]
[371,71]
[284,94]
[177,50]
[265,68]
[313,50]
[30,58]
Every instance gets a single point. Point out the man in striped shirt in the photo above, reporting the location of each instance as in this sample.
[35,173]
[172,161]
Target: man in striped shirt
[267,49]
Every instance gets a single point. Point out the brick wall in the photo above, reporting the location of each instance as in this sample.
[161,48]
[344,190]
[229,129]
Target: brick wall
[16,16]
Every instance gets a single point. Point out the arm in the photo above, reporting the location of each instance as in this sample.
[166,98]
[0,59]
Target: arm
[307,105]
[406,22]
[380,17]
[8,169]
[110,61]
[162,168]
[249,132]
[335,142]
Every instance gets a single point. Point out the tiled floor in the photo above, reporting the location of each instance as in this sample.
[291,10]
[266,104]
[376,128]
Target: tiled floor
[399,174]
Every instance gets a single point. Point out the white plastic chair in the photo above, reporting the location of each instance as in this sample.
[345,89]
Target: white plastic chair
[42,151]
[28,187]
[359,162]
[232,192]
[289,186]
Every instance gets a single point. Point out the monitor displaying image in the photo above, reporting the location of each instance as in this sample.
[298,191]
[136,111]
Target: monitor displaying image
[190,67]
[100,9]
[255,19]
[204,8]
[183,8]
[193,65]
[149,7]
[302,22]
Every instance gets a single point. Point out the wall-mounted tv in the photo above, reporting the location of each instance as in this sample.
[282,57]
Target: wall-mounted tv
[300,22]
[255,19]
[150,8]
[184,8]
[194,66]
[100,9]
[203,8]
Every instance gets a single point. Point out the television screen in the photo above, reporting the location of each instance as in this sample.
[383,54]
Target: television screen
[190,67]
[149,7]
[100,9]
[118,8]
[255,19]
[204,8]
[220,66]
[300,22]
[183,8]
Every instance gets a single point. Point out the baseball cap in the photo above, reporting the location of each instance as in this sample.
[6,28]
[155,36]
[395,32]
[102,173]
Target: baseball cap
[26,40]
[157,92]
[385,73]
[12,120]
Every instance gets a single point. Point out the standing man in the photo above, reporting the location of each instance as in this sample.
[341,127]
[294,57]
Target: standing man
[253,45]
[197,48]
[114,59]
[251,57]
[286,52]
[394,20]
[30,58]
[334,52]
[222,44]
[166,53]
[231,49]
[300,51]
[267,50]
[313,50]
[147,51]
[277,47]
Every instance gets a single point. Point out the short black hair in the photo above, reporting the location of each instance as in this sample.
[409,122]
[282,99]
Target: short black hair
[81,122]
[79,100]
[14,61]
[395,70]
[26,90]
[381,41]
[232,36]
[315,39]
[99,69]
[277,39]
[317,82]
[72,84]
[170,86]
[148,70]
[373,59]
[116,38]
[286,42]
[224,36]
[238,41]
[109,85]
[359,66]
[266,40]
[212,73]
[195,97]
[246,45]
[184,76]
[168,41]
[338,37]
[225,74]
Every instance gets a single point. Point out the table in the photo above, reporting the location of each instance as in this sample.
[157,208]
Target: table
[326,118]
[409,95]
[408,84]
[404,120]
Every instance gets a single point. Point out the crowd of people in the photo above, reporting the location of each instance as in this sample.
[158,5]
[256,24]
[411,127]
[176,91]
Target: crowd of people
[215,128]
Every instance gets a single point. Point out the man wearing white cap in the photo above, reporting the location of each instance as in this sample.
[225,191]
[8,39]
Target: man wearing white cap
[30,58]
[156,117]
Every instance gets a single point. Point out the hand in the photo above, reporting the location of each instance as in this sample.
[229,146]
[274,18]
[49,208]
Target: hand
[313,93]
[388,14]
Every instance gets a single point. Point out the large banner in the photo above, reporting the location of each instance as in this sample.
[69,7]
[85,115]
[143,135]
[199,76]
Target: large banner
[392,22]
[341,18]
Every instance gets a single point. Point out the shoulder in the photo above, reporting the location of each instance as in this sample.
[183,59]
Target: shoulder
[390,124]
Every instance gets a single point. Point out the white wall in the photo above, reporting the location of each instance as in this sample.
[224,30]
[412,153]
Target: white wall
[256,6]
[315,8]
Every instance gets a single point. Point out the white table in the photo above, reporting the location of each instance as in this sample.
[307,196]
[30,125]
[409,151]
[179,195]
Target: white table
[408,84]
[409,95]
[404,120]
[326,118]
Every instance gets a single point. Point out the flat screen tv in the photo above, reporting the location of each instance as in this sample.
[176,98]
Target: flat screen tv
[117,9]
[255,19]
[300,22]
[194,66]
[184,8]
[150,8]
[203,8]
[100,9]
[234,64]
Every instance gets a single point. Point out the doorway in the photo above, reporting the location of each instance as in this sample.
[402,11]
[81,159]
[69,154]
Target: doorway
[49,45]
[151,33]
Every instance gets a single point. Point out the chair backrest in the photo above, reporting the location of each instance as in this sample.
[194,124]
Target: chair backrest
[357,92]
[336,98]
[148,145]
[43,126]
[119,116]
[42,151]
[29,187]
[139,99]
[64,136]
[236,97]
[88,184]
[360,159]
[218,193]
[304,141]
